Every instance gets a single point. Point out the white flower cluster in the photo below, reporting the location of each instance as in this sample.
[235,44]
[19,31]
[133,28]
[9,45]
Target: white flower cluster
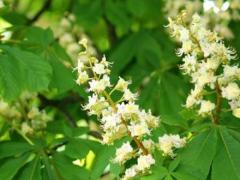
[167,144]
[68,34]
[204,57]
[216,14]
[144,162]
[119,117]
[24,114]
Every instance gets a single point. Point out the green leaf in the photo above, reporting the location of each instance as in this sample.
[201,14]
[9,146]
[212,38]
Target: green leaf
[158,172]
[25,71]
[10,148]
[199,154]
[164,94]
[11,167]
[88,13]
[60,74]
[76,149]
[10,77]
[117,15]
[67,170]
[41,42]
[48,171]
[101,161]
[226,164]
[32,171]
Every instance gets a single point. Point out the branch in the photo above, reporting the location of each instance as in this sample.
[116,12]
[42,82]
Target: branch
[45,6]
[60,105]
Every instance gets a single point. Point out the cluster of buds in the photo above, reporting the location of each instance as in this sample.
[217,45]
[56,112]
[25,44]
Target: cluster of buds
[204,58]
[2,4]
[68,34]
[24,114]
[116,108]
[216,14]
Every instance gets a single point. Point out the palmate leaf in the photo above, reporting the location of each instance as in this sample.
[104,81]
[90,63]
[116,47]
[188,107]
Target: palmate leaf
[134,46]
[117,14]
[213,153]
[103,158]
[67,170]
[20,161]
[164,94]
[42,42]
[199,153]
[11,148]
[22,70]
[226,163]
[32,171]
[10,167]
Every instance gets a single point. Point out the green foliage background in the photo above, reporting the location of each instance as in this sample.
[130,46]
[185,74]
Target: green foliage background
[132,35]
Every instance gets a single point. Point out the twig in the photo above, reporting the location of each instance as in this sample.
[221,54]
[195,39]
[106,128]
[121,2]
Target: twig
[61,106]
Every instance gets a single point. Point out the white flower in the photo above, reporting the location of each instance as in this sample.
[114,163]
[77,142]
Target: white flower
[236,112]
[98,86]
[96,105]
[111,135]
[144,162]
[82,77]
[84,42]
[123,153]
[231,91]
[66,39]
[130,172]
[34,111]
[111,122]
[127,110]
[168,142]
[231,72]
[194,97]
[73,49]
[26,129]
[152,121]
[148,144]
[99,69]
[83,58]
[190,63]
[129,96]
[206,107]
[65,23]
[122,85]
[139,129]
[184,34]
